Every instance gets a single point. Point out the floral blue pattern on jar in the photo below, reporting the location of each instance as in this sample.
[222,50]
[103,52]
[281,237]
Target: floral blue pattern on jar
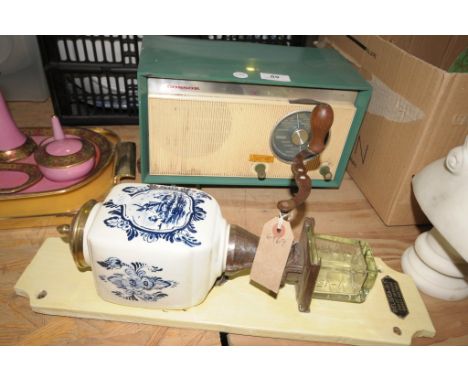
[136,281]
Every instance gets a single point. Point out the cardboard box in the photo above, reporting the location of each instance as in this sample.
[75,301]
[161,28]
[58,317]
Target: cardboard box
[417,113]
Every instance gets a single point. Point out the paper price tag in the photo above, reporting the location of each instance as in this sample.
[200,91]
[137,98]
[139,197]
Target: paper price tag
[275,77]
[272,254]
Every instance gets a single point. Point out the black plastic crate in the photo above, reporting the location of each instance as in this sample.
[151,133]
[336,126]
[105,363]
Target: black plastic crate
[93,79]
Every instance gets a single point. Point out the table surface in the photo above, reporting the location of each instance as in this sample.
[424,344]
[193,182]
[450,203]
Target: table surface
[343,212]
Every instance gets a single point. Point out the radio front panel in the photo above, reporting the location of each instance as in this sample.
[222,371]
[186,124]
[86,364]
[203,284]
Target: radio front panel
[222,130]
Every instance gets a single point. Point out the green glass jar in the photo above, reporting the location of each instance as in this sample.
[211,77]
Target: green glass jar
[347,268]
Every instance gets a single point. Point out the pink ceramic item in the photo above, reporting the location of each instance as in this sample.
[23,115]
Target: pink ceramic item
[64,158]
[15,177]
[14,145]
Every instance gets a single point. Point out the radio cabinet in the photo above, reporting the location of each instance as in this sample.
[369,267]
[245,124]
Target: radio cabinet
[212,111]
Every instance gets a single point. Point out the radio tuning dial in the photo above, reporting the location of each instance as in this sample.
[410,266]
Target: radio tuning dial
[293,133]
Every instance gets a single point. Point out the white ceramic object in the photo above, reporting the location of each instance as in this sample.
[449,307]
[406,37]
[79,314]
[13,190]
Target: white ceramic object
[155,246]
[438,260]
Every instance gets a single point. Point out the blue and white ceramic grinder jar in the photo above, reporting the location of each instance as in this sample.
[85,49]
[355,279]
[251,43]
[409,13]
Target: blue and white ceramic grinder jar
[152,246]
[164,247]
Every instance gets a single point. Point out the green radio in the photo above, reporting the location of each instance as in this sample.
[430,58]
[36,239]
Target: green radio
[237,113]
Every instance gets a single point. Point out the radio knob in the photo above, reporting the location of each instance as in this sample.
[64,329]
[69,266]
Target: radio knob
[326,172]
[260,169]
[299,137]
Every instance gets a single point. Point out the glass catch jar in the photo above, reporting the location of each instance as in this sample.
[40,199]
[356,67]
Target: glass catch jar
[347,268]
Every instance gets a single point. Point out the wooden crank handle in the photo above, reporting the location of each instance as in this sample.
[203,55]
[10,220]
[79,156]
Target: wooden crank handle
[321,121]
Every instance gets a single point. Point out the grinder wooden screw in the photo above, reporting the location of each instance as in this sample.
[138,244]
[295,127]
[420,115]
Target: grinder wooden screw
[321,121]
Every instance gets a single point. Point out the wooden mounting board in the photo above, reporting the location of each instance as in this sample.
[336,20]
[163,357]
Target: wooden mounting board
[235,307]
